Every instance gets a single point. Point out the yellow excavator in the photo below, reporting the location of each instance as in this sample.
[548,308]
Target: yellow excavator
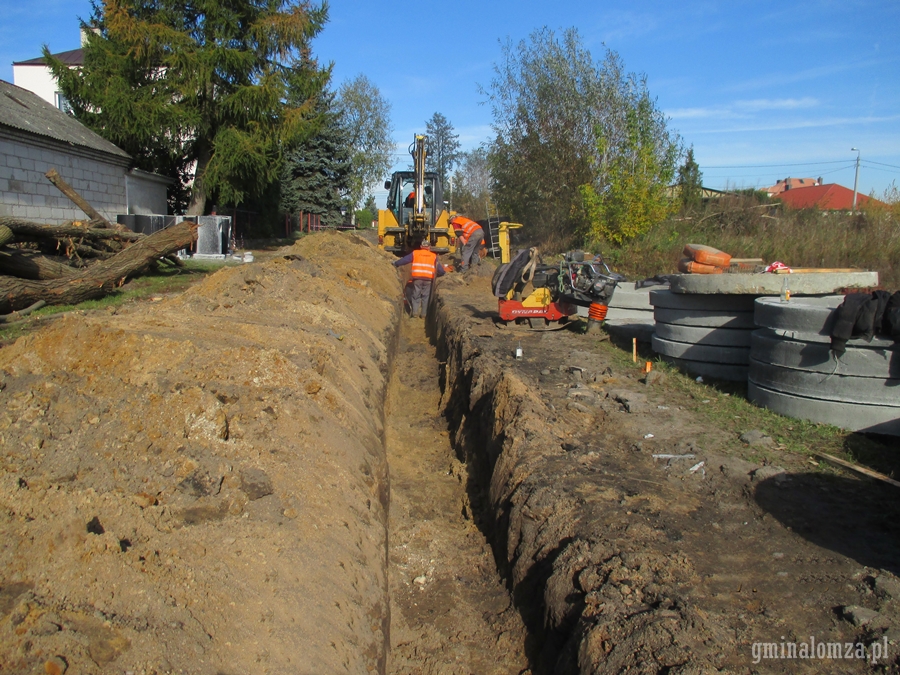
[415,208]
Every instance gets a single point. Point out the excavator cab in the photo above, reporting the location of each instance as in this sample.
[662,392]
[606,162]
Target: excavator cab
[415,209]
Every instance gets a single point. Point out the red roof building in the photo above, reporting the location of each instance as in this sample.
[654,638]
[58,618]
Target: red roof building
[791,183]
[831,197]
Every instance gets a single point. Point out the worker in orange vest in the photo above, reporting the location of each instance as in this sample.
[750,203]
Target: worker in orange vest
[472,237]
[425,267]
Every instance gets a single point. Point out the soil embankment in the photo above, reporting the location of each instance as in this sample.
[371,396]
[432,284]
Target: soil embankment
[200,486]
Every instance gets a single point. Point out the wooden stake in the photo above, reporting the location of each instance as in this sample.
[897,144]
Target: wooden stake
[634,350]
[859,469]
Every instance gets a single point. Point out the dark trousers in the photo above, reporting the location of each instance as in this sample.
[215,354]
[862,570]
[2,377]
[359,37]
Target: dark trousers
[418,292]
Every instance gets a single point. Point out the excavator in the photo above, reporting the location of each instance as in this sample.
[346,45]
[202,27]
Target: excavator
[415,208]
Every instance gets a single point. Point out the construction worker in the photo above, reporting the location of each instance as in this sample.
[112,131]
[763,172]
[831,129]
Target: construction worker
[471,235]
[425,267]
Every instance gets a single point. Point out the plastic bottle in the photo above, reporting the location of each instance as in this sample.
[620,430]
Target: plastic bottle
[519,351]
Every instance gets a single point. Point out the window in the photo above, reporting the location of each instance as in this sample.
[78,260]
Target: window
[62,103]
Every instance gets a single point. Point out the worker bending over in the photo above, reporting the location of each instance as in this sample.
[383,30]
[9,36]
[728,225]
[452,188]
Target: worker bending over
[425,267]
[472,237]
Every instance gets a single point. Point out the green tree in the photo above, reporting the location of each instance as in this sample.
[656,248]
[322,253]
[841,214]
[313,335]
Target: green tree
[470,193]
[443,146]
[565,125]
[690,182]
[317,170]
[200,89]
[638,173]
[365,115]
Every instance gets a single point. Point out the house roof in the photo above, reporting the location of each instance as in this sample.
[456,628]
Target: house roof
[791,184]
[25,111]
[73,57]
[831,197]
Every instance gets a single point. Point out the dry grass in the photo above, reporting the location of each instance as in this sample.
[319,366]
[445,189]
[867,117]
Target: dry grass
[745,229]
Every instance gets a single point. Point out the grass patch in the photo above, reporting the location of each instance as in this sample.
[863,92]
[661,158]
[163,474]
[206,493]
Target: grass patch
[166,280]
[724,407]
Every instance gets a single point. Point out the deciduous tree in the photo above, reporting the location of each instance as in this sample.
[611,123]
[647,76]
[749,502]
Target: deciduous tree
[566,128]
[199,89]
[366,116]
[471,184]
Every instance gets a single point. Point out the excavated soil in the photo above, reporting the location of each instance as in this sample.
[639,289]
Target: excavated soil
[276,472]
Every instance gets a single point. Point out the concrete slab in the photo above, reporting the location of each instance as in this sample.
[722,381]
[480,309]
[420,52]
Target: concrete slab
[804,314]
[862,360]
[711,354]
[811,283]
[708,303]
[875,342]
[631,298]
[704,318]
[826,386]
[719,371]
[726,337]
[855,417]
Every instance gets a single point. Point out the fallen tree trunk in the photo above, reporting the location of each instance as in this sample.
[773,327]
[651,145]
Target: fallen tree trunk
[101,278]
[53,176]
[34,266]
[28,228]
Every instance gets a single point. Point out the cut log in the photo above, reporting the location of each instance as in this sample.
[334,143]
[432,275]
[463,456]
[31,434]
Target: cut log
[99,279]
[79,201]
[29,228]
[34,266]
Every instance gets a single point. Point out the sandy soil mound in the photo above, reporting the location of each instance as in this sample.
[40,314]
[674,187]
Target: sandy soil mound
[201,487]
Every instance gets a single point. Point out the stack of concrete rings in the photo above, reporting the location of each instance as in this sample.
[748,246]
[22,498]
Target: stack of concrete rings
[707,335]
[793,371]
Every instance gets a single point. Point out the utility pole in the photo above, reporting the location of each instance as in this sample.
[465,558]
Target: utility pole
[855,180]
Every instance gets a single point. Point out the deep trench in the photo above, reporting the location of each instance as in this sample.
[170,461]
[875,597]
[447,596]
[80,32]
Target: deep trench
[451,611]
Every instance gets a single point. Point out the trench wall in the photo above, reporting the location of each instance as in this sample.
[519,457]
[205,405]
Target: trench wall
[594,596]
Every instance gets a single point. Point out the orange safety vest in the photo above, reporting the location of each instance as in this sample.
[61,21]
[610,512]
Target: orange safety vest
[423,264]
[467,226]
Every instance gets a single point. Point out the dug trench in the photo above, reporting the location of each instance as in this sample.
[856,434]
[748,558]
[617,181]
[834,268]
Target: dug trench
[276,472]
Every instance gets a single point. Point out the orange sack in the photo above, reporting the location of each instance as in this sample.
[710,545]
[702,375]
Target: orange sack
[688,266]
[707,255]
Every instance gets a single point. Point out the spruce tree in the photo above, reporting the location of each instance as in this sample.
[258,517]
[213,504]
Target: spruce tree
[199,90]
[317,170]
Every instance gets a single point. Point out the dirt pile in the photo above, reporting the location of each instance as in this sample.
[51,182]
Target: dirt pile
[201,487]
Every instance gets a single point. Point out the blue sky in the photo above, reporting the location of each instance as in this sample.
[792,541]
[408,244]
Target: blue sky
[762,90]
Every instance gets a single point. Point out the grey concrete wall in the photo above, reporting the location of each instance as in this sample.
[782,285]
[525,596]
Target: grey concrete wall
[26,193]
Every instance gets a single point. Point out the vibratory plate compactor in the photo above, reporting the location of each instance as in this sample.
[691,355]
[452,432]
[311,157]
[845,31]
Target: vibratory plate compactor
[544,297]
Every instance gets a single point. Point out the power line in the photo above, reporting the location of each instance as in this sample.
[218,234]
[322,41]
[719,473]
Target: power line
[871,161]
[773,166]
